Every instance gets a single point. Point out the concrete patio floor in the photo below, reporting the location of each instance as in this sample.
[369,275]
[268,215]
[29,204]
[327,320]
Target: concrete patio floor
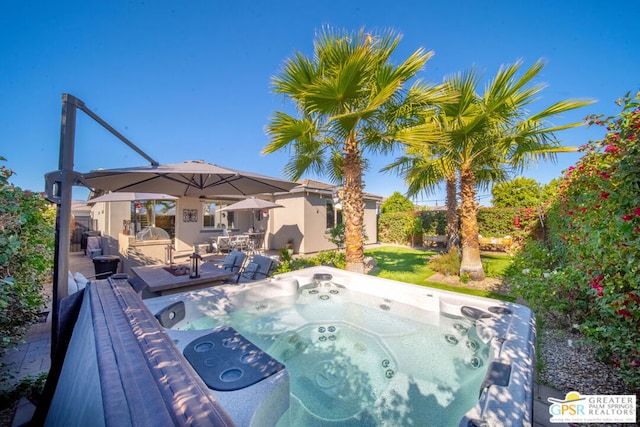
[33,357]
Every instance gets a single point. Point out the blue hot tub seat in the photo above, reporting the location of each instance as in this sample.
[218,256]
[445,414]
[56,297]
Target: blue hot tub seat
[227,361]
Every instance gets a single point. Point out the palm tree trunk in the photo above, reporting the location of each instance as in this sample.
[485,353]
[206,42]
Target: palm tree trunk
[471,262]
[452,213]
[353,207]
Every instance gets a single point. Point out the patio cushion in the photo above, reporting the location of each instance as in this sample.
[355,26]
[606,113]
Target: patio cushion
[233,261]
[259,268]
[81,281]
[250,271]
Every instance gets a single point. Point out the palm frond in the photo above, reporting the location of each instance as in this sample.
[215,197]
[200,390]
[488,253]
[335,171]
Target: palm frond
[561,107]
[284,129]
[297,73]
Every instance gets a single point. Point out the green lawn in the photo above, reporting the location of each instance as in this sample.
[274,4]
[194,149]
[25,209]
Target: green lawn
[409,265]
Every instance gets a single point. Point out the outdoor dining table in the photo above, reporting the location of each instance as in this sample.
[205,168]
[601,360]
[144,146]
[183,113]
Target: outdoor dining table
[161,279]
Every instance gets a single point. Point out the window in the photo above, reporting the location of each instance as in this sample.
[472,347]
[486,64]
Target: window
[208,215]
[212,217]
[331,221]
[334,214]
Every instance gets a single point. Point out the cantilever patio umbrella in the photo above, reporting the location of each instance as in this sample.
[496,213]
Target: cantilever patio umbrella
[191,179]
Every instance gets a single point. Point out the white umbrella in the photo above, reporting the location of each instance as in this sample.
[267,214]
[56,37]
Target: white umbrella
[251,204]
[192,179]
[126,196]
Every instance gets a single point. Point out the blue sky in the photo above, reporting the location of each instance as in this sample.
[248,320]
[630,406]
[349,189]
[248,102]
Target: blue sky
[190,80]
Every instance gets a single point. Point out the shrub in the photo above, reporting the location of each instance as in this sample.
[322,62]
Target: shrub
[337,236]
[406,227]
[434,223]
[396,227]
[446,263]
[26,258]
[333,258]
[397,203]
[589,273]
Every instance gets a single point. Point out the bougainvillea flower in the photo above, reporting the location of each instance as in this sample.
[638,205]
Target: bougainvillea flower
[636,211]
[625,313]
[611,149]
[599,289]
[604,195]
[627,217]
[632,297]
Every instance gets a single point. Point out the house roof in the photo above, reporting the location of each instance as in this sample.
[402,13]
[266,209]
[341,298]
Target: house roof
[325,188]
[78,207]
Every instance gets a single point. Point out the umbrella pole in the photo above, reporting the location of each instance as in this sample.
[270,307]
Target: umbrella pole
[59,187]
[63,213]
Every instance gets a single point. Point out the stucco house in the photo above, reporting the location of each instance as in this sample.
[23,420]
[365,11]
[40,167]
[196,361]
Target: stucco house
[311,209]
[302,223]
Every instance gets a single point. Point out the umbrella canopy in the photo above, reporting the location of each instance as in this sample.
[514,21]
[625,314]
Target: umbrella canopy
[191,179]
[126,196]
[251,204]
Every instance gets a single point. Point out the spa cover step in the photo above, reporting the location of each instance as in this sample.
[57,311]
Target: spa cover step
[227,361]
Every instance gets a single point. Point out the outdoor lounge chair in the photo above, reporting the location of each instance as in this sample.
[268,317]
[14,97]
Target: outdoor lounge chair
[259,268]
[234,261]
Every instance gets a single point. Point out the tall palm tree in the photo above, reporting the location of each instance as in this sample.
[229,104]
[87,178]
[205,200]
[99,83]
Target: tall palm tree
[350,101]
[486,138]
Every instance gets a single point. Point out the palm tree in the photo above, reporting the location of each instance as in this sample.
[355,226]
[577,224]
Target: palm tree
[351,101]
[486,138]
[423,170]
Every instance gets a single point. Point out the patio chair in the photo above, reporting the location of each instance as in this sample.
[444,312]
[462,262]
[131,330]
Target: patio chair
[94,246]
[234,261]
[239,242]
[256,242]
[222,243]
[260,267]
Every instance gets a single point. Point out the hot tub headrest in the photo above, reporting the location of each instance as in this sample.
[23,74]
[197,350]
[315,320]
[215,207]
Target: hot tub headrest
[171,314]
[227,361]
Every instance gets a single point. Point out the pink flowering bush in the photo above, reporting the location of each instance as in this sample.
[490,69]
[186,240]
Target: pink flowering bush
[588,271]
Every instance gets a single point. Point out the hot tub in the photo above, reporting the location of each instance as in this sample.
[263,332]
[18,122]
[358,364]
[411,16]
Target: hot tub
[359,350]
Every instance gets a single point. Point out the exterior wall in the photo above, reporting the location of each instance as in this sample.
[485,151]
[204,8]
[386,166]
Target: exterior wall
[109,218]
[286,223]
[304,220]
[188,233]
[316,224]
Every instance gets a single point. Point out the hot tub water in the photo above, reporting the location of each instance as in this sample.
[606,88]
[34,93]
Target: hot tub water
[354,359]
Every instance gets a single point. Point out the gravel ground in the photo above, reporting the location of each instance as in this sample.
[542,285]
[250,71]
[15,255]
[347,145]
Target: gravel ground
[569,364]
